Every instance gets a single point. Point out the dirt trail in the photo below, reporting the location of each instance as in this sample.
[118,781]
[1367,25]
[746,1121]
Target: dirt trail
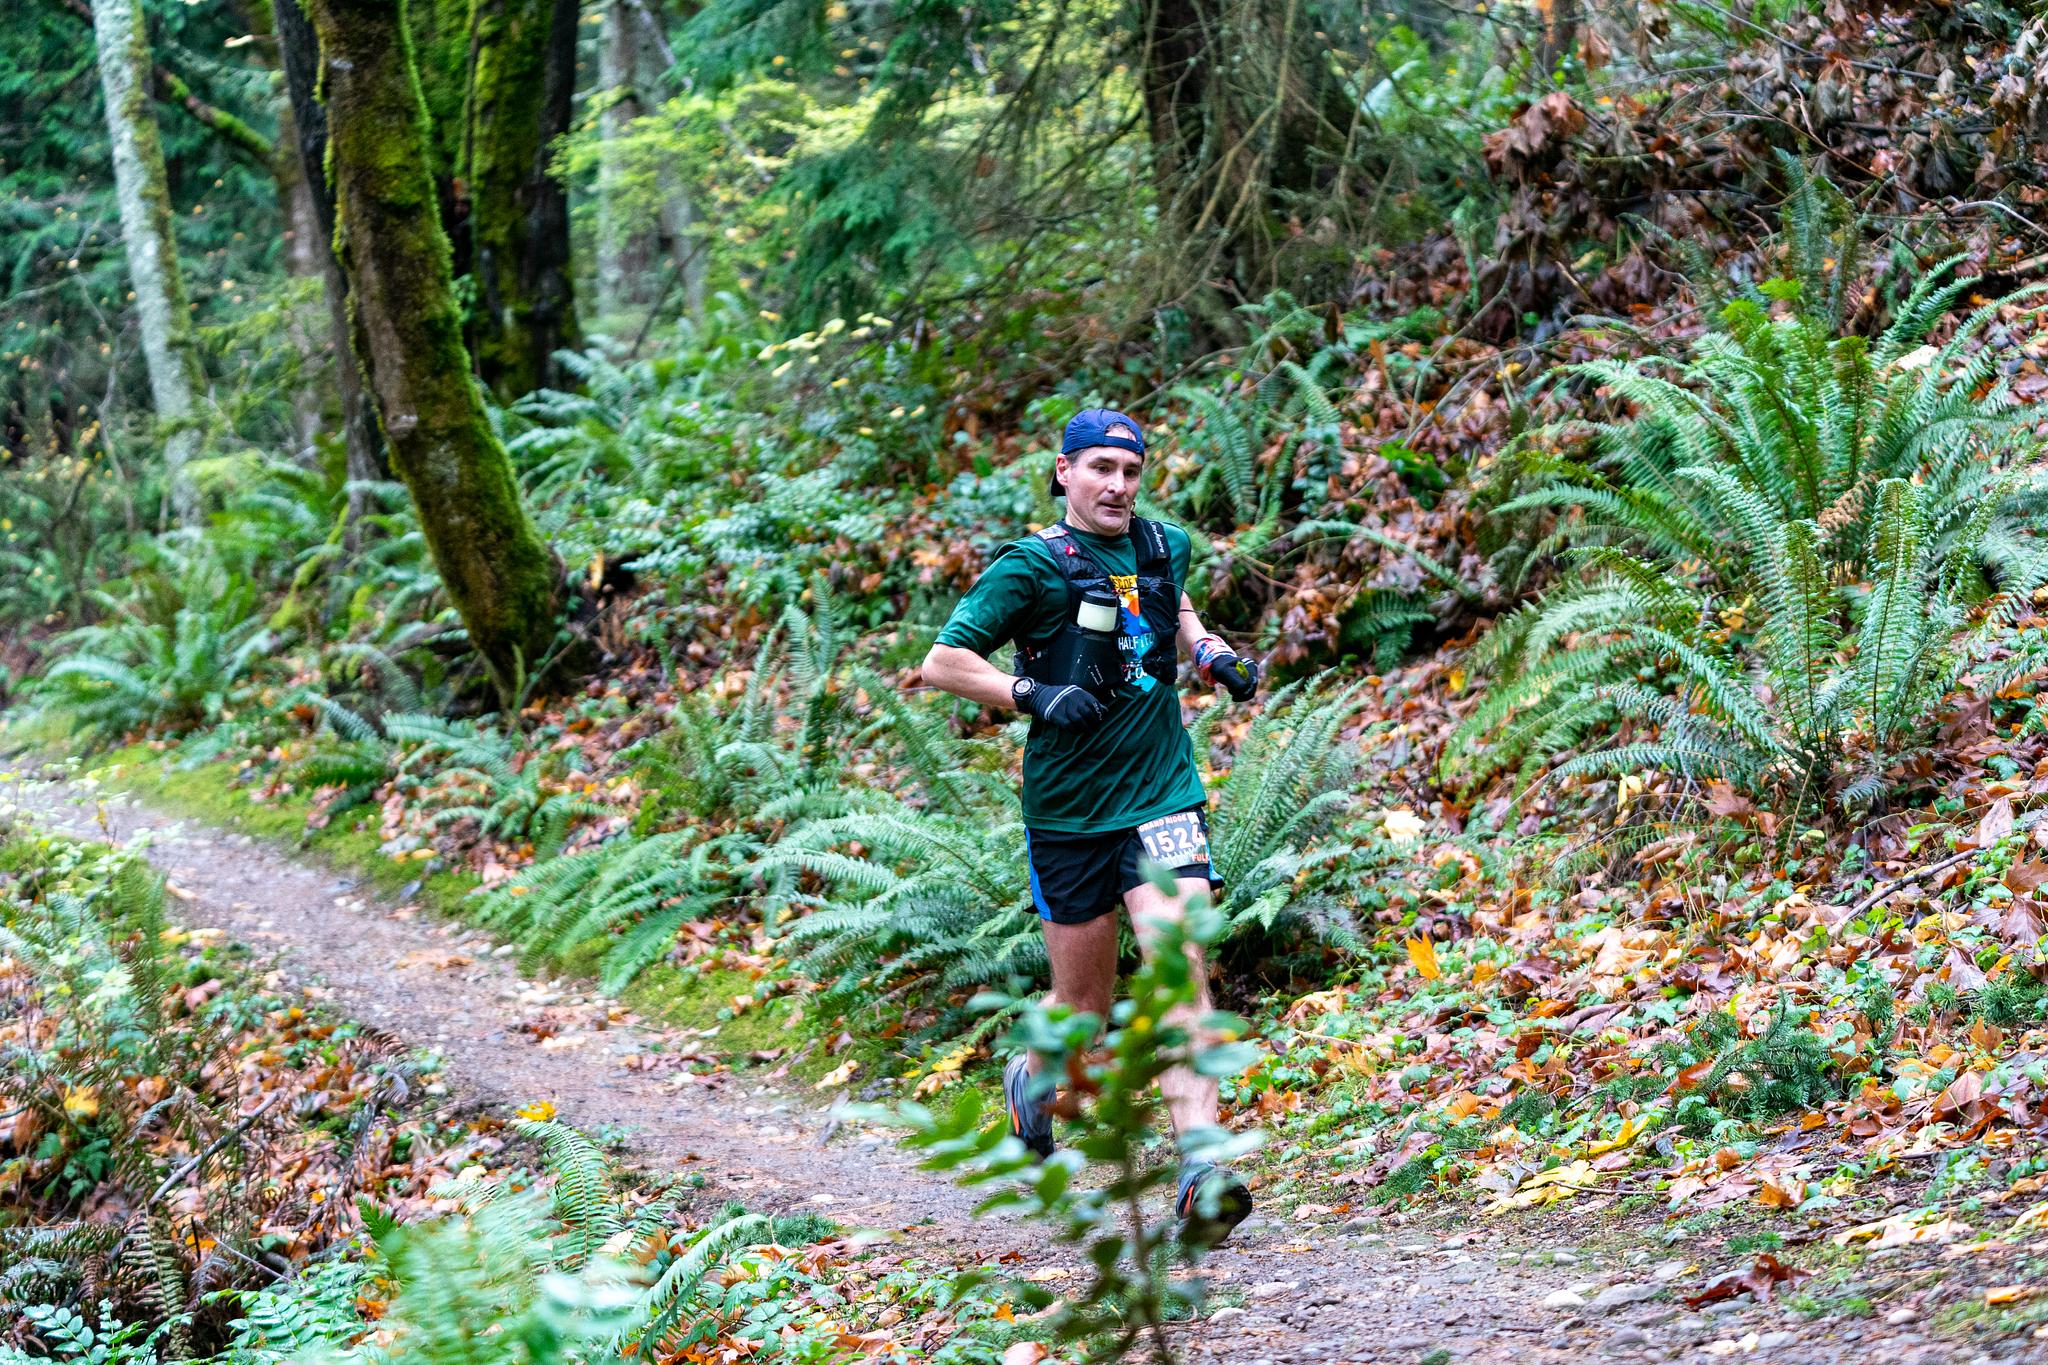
[1355,1290]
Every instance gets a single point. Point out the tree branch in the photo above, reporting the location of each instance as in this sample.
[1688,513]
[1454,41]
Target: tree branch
[171,88]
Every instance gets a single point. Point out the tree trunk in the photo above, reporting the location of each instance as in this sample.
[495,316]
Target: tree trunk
[299,48]
[304,245]
[1560,36]
[633,61]
[521,85]
[408,336]
[625,250]
[1247,124]
[443,34]
[168,350]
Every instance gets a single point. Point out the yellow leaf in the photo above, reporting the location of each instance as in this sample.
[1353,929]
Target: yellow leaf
[540,1111]
[82,1103]
[839,1075]
[1422,953]
[1548,1187]
[945,1070]
[1402,825]
[1630,1131]
[2009,1293]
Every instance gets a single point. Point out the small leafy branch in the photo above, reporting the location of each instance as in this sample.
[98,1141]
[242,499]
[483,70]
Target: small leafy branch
[1110,1095]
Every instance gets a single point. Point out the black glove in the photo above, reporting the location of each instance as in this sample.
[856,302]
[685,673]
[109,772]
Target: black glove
[1069,707]
[1236,674]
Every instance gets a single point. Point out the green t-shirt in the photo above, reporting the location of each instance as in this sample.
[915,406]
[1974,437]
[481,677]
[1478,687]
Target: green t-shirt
[1139,764]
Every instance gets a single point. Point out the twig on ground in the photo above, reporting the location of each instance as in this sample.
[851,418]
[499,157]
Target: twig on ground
[193,1163]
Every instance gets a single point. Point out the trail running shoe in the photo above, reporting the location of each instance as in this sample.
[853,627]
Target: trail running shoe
[1211,1201]
[1030,1116]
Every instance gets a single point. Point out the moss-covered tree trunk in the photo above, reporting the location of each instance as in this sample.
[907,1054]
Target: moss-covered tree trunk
[140,189]
[299,52]
[521,83]
[408,337]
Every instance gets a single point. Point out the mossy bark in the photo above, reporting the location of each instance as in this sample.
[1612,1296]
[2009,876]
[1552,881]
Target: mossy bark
[299,54]
[443,45]
[521,84]
[408,337]
[168,349]
[1249,128]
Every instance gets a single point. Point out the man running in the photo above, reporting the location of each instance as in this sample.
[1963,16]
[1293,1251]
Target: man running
[1109,773]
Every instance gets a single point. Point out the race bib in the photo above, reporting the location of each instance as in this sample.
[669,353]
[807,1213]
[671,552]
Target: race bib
[1176,840]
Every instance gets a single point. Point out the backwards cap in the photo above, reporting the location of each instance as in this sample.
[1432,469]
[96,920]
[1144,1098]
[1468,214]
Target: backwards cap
[1091,427]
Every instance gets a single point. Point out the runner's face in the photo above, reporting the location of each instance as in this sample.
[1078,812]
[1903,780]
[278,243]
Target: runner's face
[1102,488]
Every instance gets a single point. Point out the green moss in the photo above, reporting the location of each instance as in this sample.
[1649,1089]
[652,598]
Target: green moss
[407,334]
[439,30]
[523,308]
[220,120]
[695,999]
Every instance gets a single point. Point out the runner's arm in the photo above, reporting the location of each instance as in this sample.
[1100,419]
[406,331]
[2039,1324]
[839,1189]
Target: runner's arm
[966,674]
[1191,627]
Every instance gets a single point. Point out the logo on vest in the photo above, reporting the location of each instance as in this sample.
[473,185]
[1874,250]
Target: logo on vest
[1136,639]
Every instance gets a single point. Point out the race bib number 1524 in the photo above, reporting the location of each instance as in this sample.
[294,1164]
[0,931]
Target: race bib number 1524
[1175,840]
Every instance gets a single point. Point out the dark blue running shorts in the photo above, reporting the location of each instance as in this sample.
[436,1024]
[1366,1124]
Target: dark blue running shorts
[1076,878]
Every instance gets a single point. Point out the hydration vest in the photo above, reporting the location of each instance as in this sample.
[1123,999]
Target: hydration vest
[1158,600]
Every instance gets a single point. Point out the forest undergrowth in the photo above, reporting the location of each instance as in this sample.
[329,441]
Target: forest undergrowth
[1646,816]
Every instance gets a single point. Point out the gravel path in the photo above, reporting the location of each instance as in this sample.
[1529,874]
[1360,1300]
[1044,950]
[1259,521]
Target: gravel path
[1443,1286]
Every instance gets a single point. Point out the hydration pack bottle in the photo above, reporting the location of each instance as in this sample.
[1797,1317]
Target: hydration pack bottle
[1085,652]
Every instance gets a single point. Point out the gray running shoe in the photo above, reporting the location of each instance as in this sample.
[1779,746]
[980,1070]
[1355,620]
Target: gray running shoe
[1211,1200]
[1030,1116]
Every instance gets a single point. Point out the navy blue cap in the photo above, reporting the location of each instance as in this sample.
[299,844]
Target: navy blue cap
[1090,428]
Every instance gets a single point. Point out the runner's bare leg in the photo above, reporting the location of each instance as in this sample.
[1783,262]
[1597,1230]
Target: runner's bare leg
[1190,1098]
[1083,968]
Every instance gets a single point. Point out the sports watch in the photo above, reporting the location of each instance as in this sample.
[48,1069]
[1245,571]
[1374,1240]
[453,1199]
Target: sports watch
[1021,690]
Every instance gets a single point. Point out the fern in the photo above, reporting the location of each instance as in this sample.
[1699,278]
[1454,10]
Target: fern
[177,652]
[1292,776]
[632,894]
[957,912]
[1718,525]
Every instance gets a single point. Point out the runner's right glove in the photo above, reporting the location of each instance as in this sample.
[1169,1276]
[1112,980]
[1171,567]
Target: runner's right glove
[1069,707]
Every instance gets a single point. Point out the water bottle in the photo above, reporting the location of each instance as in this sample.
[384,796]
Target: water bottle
[1085,653]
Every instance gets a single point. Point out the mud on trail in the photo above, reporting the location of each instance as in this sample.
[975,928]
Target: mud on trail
[1442,1286]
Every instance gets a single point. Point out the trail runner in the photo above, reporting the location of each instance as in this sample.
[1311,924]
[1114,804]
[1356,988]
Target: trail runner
[1109,774]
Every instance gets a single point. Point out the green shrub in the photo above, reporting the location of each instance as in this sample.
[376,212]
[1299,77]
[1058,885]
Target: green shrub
[633,895]
[1292,776]
[1130,1293]
[928,893]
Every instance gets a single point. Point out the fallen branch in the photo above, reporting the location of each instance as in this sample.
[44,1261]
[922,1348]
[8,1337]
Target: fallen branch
[191,1164]
[1885,888]
[171,88]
